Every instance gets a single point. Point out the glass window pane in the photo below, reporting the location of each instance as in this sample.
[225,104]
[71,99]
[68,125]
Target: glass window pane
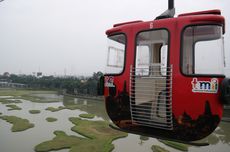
[203,50]
[142,60]
[151,53]
[116,54]
[142,56]
[208,57]
[164,59]
[115,57]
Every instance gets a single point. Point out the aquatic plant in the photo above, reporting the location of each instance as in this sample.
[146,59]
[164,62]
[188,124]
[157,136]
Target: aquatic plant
[51,119]
[176,145]
[156,148]
[19,124]
[28,94]
[34,111]
[7,101]
[13,107]
[144,138]
[87,115]
[98,137]
[70,107]
[52,109]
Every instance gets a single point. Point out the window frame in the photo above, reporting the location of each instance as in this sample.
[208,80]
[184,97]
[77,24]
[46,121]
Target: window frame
[125,52]
[193,53]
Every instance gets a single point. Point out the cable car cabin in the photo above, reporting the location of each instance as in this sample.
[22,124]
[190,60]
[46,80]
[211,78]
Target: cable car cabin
[165,77]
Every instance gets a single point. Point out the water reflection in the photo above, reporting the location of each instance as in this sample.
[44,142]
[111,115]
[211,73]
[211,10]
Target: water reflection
[219,140]
[223,133]
[2,97]
[143,139]
[85,102]
[90,106]
[75,101]
[220,135]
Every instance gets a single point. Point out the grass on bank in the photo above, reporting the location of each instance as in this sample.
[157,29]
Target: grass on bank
[22,92]
[7,101]
[87,115]
[51,119]
[98,137]
[28,94]
[19,124]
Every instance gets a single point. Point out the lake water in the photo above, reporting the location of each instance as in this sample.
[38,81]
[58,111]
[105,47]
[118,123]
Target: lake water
[25,141]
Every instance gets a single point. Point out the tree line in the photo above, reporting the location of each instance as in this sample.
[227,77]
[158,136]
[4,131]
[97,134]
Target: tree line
[70,84]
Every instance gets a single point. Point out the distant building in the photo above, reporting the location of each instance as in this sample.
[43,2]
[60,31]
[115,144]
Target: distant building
[4,84]
[39,74]
[83,81]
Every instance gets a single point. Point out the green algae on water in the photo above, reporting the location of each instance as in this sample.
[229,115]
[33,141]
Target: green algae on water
[7,101]
[19,124]
[87,115]
[52,109]
[98,137]
[34,111]
[156,148]
[144,138]
[13,107]
[69,107]
[28,94]
[176,145]
[51,119]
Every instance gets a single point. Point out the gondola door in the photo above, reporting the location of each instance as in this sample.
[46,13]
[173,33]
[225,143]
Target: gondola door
[151,81]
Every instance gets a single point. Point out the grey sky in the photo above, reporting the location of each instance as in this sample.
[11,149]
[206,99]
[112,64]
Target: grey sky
[68,36]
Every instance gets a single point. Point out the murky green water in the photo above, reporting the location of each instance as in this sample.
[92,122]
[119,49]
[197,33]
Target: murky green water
[25,141]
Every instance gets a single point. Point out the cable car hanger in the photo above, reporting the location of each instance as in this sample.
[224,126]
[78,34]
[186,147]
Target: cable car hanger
[165,78]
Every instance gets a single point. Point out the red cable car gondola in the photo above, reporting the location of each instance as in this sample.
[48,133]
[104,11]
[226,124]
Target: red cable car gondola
[165,78]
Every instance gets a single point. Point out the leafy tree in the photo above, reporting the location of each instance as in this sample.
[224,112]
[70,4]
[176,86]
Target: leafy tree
[73,85]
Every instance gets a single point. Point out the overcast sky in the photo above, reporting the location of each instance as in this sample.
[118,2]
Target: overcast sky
[68,36]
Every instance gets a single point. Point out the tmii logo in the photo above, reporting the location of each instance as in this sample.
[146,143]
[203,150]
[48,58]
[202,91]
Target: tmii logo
[205,86]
